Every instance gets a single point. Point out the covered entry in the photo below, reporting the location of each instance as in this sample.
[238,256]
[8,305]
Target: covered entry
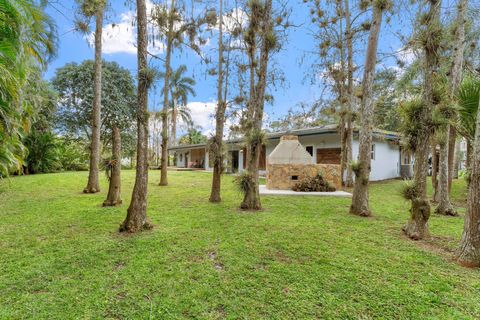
[329,156]
[234,157]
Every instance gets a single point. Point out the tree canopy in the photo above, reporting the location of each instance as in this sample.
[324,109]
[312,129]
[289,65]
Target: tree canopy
[74,85]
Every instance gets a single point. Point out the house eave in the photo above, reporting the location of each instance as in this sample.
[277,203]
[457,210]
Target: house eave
[377,133]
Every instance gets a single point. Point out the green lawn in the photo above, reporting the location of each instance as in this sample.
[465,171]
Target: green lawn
[301,258]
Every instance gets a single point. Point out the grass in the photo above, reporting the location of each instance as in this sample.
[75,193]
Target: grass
[300,258]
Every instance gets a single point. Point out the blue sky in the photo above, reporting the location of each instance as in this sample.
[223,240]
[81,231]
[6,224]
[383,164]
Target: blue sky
[118,46]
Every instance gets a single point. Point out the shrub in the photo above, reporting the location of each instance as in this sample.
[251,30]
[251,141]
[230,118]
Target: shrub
[314,184]
[74,155]
[43,153]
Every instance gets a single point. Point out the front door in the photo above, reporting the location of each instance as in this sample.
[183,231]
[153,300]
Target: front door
[235,158]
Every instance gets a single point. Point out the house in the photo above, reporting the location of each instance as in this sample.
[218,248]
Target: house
[322,143]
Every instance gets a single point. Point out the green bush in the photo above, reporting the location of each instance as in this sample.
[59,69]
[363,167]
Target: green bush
[315,184]
[43,153]
[73,155]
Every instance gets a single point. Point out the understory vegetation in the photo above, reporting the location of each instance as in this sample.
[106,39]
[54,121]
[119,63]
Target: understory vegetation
[301,257]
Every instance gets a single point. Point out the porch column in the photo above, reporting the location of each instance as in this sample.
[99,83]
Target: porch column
[240,160]
[207,166]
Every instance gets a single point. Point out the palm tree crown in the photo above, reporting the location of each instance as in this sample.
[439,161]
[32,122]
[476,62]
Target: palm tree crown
[181,87]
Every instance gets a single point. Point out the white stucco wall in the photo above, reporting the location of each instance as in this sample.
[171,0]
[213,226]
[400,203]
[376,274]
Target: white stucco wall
[386,162]
[387,156]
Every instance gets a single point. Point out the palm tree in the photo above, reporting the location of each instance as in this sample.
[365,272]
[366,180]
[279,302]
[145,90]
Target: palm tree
[468,99]
[136,219]
[95,8]
[178,112]
[360,204]
[194,136]
[28,40]
[180,87]
[469,251]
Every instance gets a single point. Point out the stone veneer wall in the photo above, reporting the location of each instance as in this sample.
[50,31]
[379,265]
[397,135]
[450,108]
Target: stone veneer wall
[279,176]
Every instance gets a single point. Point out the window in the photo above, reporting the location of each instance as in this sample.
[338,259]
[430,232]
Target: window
[373,152]
[294,178]
[181,157]
[310,150]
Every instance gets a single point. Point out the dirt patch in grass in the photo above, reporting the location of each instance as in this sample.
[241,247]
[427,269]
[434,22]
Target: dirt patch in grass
[218,265]
[281,257]
[437,245]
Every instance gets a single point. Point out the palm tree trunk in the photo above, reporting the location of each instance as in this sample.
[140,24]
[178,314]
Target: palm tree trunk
[168,72]
[350,67]
[114,195]
[452,164]
[416,227]
[174,124]
[93,184]
[434,170]
[362,173]
[217,143]
[342,99]
[469,157]
[456,78]
[136,219]
[251,200]
[444,206]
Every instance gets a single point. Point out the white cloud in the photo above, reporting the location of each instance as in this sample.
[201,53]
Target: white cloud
[406,55]
[203,114]
[234,18]
[121,37]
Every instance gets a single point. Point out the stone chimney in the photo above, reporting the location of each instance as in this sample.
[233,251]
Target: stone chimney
[290,163]
[290,151]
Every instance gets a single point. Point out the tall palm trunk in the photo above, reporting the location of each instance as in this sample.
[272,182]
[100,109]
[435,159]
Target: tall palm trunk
[362,172]
[136,219]
[251,200]
[344,164]
[469,251]
[349,120]
[114,195]
[447,155]
[174,124]
[217,143]
[444,206]
[93,184]
[469,157]
[168,72]
[250,104]
[417,225]
[452,151]
[434,169]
